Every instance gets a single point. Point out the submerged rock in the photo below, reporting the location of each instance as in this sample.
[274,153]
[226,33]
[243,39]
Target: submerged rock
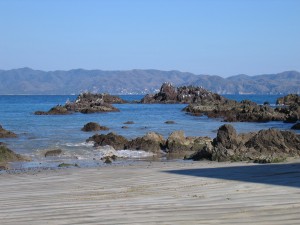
[263,146]
[6,134]
[54,152]
[92,126]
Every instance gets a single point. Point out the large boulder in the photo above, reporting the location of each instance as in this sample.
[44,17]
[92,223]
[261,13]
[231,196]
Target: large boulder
[263,146]
[152,142]
[92,126]
[118,142]
[6,134]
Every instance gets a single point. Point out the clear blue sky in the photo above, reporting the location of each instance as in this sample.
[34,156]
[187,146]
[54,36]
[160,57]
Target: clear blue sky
[216,37]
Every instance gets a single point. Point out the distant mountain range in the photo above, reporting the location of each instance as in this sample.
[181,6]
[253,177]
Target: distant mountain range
[29,81]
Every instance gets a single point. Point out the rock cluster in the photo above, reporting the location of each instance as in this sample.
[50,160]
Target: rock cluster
[233,111]
[186,94]
[263,146]
[176,143]
[6,134]
[86,103]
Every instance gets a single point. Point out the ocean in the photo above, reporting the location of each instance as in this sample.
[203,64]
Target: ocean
[37,134]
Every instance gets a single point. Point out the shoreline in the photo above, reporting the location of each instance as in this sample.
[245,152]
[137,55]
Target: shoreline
[154,193]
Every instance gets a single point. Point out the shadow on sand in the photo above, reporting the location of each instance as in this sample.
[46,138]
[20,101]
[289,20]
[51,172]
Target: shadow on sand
[273,174]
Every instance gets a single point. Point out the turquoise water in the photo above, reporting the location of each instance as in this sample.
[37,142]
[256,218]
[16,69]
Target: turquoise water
[36,134]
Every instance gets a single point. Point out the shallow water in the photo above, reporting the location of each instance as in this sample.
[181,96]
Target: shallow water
[36,134]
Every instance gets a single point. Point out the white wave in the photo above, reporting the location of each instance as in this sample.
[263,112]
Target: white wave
[134,154]
[81,144]
[109,151]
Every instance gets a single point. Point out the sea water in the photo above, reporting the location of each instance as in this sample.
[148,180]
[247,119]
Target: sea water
[39,133]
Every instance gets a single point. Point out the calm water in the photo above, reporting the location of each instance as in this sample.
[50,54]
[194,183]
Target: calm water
[36,134]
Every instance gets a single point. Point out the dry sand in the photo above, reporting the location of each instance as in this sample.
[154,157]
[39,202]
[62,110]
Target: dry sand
[154,193]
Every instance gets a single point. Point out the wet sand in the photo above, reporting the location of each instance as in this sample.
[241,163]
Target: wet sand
[154,193]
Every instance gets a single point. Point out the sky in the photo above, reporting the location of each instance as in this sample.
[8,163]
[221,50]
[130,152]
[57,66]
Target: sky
[215,37]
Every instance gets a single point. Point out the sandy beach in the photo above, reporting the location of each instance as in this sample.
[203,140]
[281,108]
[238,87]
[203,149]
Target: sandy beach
[154,193]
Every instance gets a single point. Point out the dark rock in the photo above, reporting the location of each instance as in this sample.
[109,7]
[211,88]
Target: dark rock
[263,146]
[118,142]
[129,122]
[57,110]
[92,126]
[124,127]
[296,126]
[6,134]
[170,122]
[54,152]
[152,142]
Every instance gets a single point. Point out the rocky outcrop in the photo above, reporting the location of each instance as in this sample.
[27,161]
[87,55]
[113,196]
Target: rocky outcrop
[7,155]
[263,146]
[186,94]
[86,103]
[92,126]
[6,134]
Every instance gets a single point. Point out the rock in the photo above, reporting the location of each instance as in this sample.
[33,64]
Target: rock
[86,103]
[232,111]
[186,94]
[151,142]
[54,152]
[68,165]
[170,122]
[6,134]
[296,126]
[263,146]
[129,122]
[7,155]
[124,127]
[118,142]
[177,142]
[57,110]
[92,126]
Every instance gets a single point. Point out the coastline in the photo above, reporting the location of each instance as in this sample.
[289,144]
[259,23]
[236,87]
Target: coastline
[154,193]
